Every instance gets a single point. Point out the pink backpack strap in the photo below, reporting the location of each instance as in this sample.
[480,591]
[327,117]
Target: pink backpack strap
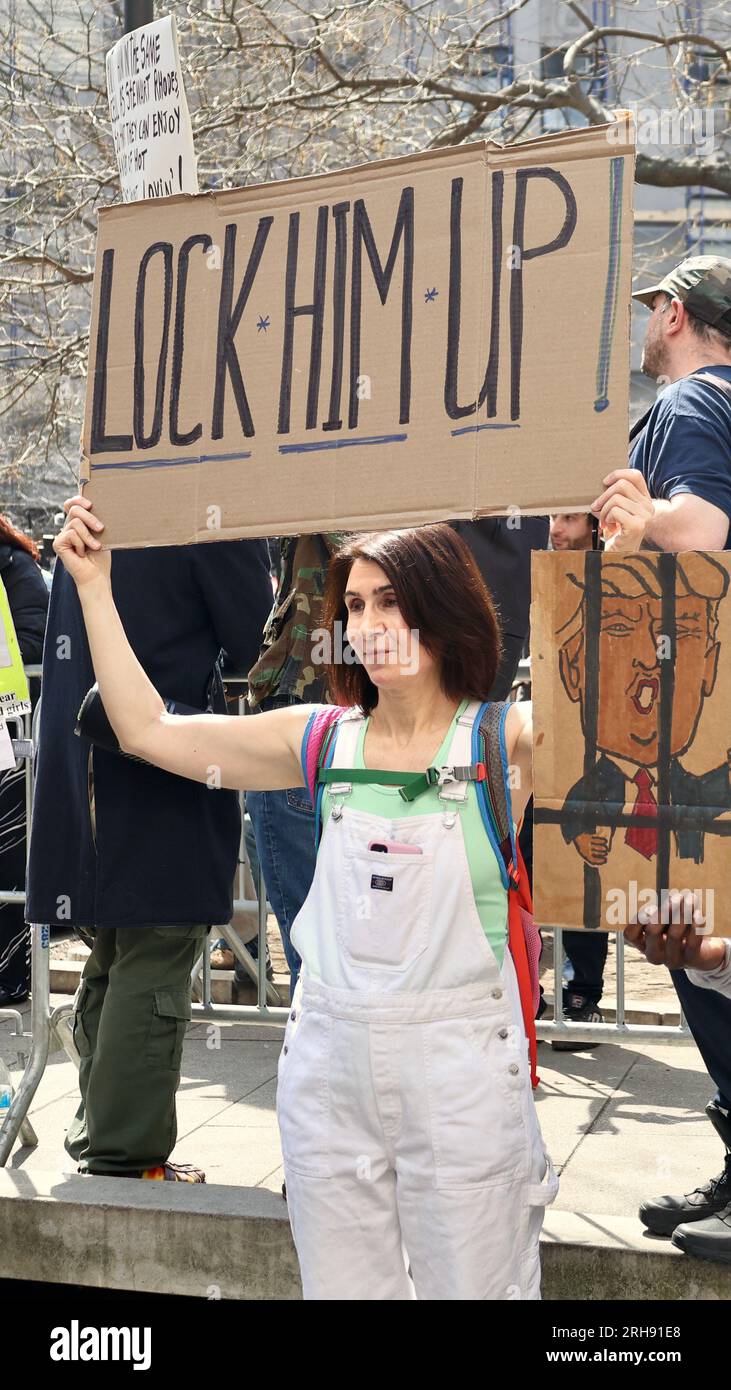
[318,725]
[534,949]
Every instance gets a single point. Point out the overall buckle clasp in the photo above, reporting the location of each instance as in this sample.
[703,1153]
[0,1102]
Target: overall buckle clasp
[338,793]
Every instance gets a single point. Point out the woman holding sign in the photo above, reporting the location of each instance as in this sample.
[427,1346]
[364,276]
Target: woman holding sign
[414,1162]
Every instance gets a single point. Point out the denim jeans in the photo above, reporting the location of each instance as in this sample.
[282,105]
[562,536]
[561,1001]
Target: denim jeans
[708,1015]
[284,827]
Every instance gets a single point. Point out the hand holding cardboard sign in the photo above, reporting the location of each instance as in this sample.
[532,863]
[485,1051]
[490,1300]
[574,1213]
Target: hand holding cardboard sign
[78,546]
[680,942]
[624,510]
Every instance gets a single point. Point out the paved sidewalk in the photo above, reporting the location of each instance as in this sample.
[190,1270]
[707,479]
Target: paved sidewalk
[621,1124]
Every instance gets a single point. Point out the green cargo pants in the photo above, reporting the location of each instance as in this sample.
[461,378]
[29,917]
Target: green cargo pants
[129,1026]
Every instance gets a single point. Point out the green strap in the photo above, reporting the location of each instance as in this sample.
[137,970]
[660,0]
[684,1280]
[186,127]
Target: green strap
[366,776]
[420,784]
[411,784]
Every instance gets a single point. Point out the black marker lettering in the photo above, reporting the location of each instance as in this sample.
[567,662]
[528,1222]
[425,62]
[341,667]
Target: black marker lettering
[363,236]
[142,440]
[488,390]
[227,361]
[188,436]
[340,210]
[489,386]
[292,311]
[454,311]
[516,288]
[101,442]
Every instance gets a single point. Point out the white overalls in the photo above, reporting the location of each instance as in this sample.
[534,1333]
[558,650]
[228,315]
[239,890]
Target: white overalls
[408,1128]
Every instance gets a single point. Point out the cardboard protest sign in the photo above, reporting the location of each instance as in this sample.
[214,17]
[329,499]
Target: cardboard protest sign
[422,338]
[631,668]
[14,694]
[153,137]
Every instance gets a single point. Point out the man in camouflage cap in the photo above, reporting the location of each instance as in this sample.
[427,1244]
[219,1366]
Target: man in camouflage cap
[702,284]
[682,446]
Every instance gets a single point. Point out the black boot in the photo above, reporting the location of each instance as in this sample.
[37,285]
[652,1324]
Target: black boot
[706,1204]
[709,1239]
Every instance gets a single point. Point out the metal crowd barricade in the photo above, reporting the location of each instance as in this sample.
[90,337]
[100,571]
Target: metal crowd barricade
[620,1030]
[51,1028]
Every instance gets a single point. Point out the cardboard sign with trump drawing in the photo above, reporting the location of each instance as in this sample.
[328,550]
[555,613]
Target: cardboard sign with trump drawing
[631,690]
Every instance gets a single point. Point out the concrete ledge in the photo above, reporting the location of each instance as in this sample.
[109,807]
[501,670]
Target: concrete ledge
[613,1257]
[117,1233]
[235,1243]
[65,976]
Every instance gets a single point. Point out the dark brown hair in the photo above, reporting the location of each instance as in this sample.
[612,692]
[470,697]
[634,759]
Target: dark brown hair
[10,535]
[441,595]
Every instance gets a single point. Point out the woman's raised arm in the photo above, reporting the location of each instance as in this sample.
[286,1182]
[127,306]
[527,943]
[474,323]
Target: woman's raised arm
[259,753]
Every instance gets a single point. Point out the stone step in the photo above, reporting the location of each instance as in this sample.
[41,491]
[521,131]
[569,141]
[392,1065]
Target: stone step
[218,1241]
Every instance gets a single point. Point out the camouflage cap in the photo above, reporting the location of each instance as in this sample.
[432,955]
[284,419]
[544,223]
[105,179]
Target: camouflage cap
[702,284]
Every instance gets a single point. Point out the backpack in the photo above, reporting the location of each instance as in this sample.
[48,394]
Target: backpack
[489,772]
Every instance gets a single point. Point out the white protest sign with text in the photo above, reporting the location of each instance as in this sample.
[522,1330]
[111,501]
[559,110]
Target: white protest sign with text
[153,137]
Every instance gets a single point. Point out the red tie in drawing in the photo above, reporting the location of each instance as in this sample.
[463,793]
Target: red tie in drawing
[639,837]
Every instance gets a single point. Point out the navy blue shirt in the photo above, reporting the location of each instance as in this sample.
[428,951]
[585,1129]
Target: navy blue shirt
[685,445]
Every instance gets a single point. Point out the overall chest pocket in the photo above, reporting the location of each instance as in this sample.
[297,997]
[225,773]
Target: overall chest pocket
[384,907]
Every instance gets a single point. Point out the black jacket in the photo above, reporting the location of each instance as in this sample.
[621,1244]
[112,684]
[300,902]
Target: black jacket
[166,848]
[28,599]
[503,552]
[605,783]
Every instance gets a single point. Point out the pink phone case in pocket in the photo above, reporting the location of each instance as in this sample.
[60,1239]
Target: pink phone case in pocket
[393,847]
